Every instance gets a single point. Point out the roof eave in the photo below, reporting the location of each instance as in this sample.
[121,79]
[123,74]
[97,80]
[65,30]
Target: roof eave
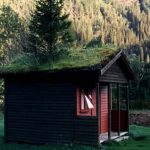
[110,63]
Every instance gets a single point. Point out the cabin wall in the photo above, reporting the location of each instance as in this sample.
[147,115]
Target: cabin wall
[41,111]
[86,130]
[115,74]
[86,125]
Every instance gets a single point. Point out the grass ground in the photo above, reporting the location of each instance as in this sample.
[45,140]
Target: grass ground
[140,141]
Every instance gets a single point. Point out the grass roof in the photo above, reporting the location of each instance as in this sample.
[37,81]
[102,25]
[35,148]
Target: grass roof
[77,58]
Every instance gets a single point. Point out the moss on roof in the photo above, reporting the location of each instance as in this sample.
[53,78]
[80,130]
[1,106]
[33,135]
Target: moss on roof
[77,58]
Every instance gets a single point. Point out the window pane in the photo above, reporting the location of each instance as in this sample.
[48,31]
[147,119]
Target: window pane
[86,101]
[123,97]
[114,96]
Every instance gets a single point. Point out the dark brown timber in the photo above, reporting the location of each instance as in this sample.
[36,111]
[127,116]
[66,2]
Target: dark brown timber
[127,103]
[114,74]
[118,107]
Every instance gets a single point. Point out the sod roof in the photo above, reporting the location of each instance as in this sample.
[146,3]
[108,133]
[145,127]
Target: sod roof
[78,59]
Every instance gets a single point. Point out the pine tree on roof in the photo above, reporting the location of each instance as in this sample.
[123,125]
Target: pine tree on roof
[49,27]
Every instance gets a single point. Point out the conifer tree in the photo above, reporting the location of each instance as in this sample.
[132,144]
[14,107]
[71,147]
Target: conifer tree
[10,34]
[49,27]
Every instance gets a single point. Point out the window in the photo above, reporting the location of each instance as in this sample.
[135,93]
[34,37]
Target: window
[86,102]
[114,96]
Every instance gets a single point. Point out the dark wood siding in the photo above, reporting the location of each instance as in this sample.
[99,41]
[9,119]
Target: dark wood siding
[40,112]
[44,112]
[86,130]
[114,74]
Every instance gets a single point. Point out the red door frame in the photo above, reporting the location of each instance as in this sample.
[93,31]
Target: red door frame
[103,116]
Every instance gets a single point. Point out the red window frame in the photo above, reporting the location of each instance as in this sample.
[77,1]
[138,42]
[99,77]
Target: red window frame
[82,101]
[86,111]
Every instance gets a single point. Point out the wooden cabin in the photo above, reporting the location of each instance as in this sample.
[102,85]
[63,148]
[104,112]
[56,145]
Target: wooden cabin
[84,105]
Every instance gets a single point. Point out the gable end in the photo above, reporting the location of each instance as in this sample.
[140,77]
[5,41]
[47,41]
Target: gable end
[114,74]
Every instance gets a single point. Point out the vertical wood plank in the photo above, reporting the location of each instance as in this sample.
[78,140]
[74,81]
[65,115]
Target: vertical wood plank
[98,107]
[118,107]
[5,111]
[127,103]
[104,108]
[109,112]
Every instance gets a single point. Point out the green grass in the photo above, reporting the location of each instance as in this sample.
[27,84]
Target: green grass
[84,57]
[140,140]
[73,58]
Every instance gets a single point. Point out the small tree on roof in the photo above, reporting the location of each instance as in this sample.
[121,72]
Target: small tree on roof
[49,27]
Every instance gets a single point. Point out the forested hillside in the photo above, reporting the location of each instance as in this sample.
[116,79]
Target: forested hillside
[23,8]
[116,22]
[112,21]
[95,22]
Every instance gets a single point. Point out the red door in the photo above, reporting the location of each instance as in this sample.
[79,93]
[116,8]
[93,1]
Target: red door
[103,109]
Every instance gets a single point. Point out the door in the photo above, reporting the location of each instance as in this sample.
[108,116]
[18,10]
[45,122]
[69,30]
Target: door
[103,109]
